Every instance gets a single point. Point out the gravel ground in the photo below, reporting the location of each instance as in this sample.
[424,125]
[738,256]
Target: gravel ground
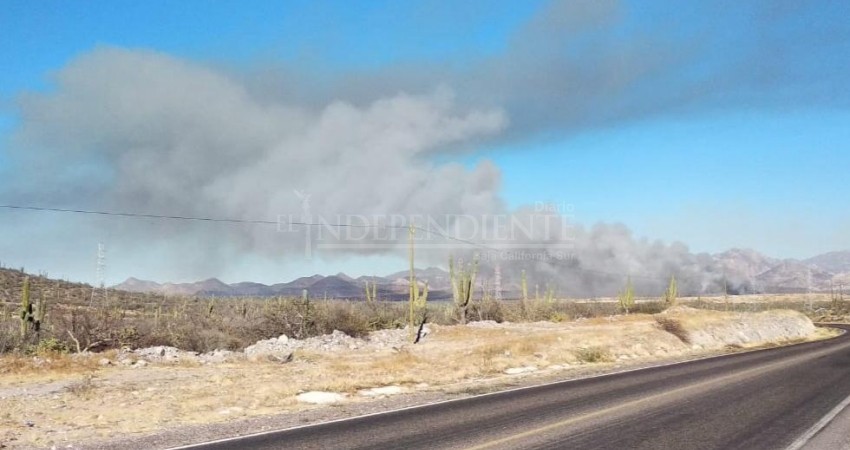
[162,397]
[185,435]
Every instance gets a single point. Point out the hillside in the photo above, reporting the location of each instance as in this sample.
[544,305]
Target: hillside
[834,262]
[761,274]
[746,271]
[339,286]
[70,293]
[793,276]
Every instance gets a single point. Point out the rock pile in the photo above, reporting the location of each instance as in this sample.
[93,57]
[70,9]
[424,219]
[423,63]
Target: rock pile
[165,354]
[279,349]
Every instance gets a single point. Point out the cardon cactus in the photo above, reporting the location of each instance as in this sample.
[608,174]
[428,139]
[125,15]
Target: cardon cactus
[463,286]
[29,318]
[371,292]
[418,299]
[627,297]
[671,295]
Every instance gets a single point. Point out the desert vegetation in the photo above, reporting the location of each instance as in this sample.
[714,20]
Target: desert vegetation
[72,343]
[73,322]
[39,314]
[72,398]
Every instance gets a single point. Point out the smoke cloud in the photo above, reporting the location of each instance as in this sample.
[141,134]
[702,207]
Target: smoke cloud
[138,130]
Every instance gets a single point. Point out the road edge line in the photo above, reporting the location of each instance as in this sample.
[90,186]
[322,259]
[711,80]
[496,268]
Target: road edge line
[804,439]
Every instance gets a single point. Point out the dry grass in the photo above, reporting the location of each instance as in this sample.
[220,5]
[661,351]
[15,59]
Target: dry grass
[16,368]
[674,327]
[98,402]
[75,398]
[84,387]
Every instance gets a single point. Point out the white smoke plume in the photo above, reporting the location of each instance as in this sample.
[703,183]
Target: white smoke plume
[142,131]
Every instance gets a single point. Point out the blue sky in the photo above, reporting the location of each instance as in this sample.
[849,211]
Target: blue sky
[735,133]
[757,179]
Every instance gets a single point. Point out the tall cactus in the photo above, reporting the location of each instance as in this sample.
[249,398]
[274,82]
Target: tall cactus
[524,287]
[550,295]
[371,292]
[32,316]
[627,297]
[671,295]
[40,313]
[463,285]
[418,299]
[26,308]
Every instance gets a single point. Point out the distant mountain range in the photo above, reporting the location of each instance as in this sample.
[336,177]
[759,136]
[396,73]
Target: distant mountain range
[770,275]
[751,271]
[391,287]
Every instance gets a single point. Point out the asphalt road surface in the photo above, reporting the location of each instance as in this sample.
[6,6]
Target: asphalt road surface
[758,400]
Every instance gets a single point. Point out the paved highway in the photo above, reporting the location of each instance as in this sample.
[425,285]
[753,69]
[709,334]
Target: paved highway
[767,399]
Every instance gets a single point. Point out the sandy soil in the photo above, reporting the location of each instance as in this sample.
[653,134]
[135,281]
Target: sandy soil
[75,402]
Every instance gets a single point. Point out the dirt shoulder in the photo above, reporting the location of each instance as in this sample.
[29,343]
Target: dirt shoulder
[159,401]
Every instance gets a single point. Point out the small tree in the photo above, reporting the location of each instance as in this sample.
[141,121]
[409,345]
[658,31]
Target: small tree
[671,295]
[627,297]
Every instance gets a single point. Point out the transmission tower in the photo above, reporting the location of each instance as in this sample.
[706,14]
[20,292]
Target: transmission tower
[100,275]
[497,282]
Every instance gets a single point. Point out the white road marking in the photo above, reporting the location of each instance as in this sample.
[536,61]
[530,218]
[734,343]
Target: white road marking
[816,428]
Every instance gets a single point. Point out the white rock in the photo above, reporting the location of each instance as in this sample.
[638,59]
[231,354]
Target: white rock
[219,356]
[384,390]
[519,370]
[320,398]
[231,410]
[163,353]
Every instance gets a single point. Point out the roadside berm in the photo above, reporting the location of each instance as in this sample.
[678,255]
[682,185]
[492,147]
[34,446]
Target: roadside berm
[67,400]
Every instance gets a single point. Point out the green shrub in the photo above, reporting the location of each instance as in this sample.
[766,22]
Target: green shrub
[593,355]
[51,345]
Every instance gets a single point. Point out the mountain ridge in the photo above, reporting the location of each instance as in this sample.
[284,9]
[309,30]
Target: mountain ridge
[749,270]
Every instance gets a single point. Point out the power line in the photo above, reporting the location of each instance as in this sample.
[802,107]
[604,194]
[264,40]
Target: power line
[195,218]
[301,223]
